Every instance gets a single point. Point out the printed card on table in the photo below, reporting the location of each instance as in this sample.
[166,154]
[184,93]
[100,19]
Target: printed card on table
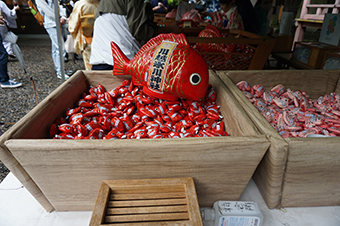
[330,31]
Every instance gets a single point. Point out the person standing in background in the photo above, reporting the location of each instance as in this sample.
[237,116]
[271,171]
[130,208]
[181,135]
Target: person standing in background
[46,9]
[128,23]
[9,16]
[248,14]
[80,25]
[231,18]
[160,6]
[5,81]
[262,9]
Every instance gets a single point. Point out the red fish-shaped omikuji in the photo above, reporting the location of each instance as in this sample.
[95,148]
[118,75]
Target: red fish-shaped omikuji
[167,68]
[210,32]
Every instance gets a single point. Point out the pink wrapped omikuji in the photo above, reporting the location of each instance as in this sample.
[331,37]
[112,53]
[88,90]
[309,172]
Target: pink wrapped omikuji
[294,114]
[126,112]
[167,68]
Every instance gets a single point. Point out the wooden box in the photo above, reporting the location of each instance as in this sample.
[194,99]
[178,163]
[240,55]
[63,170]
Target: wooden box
[295,172]
[311,54]
[65,174]
[331,60]
[167,202]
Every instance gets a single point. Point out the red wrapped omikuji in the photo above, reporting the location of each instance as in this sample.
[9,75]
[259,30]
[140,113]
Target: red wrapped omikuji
[126,112]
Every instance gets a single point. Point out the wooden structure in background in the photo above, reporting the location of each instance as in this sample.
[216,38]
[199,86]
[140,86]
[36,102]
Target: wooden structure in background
[313,20]
[316,52]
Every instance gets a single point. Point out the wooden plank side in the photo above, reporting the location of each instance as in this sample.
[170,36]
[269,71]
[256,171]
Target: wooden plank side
[147,217]
[269,174]
[69,171]
[177,183]
[99,210]
[150,209]
[164,223]
[147,189]
[232,111]
[193,206]
[157,195]
[312,174]
[337,88]
[157,202]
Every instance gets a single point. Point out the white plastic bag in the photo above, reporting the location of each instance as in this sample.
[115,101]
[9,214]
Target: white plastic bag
[10,37]
[69,44]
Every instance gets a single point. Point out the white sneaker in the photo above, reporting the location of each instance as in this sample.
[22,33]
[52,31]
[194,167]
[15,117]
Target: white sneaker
[10,84]
[59,76]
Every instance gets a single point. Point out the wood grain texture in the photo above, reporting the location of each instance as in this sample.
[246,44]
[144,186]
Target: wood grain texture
[172,223]
[299,171]
[69,172]
[312,175]
[337,88]
[99,211]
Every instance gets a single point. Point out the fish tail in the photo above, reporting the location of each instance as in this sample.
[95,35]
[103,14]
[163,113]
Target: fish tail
[119,60]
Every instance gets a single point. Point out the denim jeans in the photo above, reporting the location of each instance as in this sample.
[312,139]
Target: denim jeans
[3,63]
[52,32]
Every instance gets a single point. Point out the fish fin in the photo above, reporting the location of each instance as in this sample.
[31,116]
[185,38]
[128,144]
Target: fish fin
[155,41]
[136,82]
[119,60]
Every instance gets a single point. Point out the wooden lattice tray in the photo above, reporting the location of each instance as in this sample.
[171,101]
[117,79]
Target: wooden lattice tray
[147,202]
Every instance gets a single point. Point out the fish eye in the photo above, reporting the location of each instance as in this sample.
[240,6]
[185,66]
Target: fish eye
[195,79]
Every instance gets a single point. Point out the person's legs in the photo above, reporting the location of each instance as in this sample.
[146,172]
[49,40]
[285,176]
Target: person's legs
[86,56]
[5,81]
[52,32]
[3,63]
